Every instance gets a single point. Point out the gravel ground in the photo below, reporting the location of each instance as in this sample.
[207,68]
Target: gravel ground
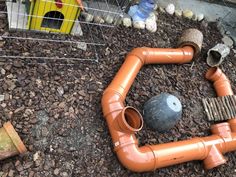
[57,111]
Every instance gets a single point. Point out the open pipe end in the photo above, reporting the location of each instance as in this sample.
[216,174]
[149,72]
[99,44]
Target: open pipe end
[214,58]
[217,54]
[192,37]
[130,120]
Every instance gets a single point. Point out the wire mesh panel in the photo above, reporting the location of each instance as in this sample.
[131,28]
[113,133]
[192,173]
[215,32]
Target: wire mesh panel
[55,29]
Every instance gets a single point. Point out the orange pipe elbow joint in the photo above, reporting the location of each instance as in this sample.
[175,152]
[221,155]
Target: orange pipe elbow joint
[220,81]
[123,122]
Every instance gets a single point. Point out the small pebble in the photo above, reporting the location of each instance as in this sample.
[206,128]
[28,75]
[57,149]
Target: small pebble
[10,76]
[56,171]
[200,17]
[11,173]
[170,9]
[60,91]
[82,46]
[127,22]
[178,13]
[98,19]
[2,98]
[151,24]
[2,43]
[31,173]
[3,71]
[36,156]
[228,41]
[188,14]
[3,105]
[109,19]
[64,174]
[139,25]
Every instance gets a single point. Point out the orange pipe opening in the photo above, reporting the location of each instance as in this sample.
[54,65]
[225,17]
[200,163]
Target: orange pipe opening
[124,122]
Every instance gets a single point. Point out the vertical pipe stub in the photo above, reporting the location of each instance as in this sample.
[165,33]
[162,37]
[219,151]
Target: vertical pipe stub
[214,158]
[192,37]
[14,137]
[130,120]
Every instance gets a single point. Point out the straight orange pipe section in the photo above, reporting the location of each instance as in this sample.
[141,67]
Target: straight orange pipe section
[124,122]
[140,56]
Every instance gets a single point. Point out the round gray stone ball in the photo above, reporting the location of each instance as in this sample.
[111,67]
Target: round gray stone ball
[162,112]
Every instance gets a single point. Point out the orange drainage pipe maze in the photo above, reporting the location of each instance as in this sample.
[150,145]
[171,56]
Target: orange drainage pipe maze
[124,122]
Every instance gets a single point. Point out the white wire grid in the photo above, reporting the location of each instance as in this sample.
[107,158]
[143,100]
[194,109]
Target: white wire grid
[39,44]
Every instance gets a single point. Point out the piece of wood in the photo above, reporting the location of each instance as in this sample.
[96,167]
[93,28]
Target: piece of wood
[209,117]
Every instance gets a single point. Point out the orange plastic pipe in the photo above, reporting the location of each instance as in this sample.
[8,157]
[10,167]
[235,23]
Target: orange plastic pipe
[220,81]
[222,87]
[124,122]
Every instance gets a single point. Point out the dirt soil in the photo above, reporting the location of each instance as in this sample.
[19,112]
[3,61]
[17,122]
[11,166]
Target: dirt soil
[57,112]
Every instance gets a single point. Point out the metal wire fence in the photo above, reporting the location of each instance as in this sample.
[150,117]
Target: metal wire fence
[62,30]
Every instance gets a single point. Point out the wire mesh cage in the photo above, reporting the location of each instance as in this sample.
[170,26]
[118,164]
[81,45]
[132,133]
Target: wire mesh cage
[67,30]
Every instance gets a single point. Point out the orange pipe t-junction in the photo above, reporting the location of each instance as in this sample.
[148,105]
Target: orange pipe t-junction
[124,122]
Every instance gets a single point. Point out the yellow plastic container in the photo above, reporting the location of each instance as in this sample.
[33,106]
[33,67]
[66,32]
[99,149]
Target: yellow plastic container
[10,142]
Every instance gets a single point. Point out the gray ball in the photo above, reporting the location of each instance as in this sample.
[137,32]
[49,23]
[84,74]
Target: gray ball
[162,112]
